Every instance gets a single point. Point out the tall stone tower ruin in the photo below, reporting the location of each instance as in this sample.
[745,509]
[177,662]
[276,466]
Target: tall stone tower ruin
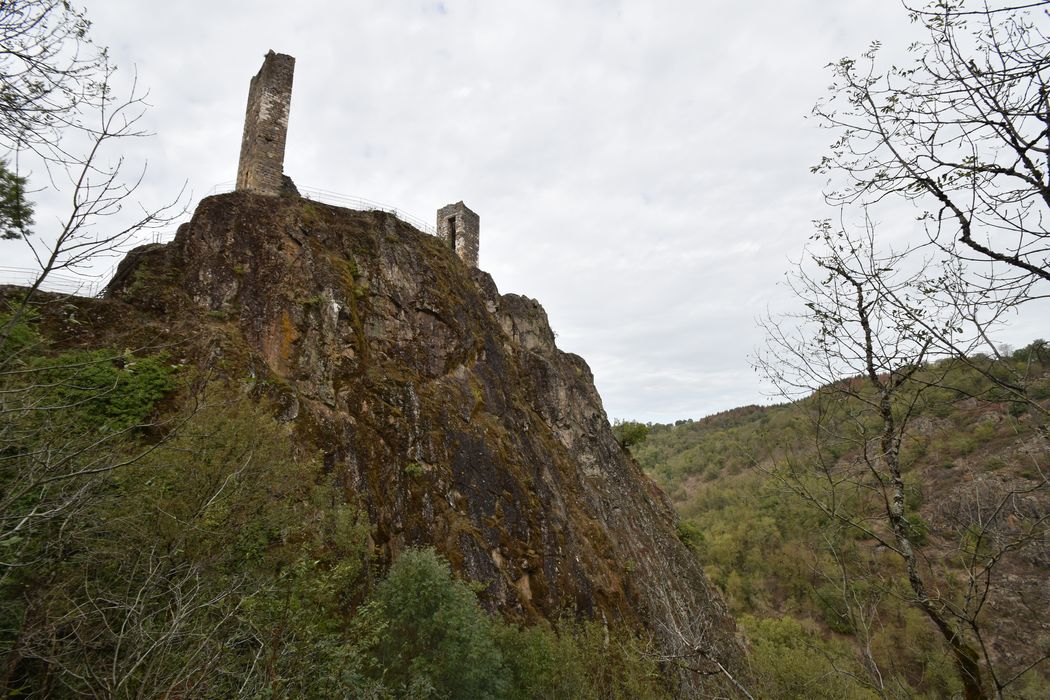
[261,167]
[460,228]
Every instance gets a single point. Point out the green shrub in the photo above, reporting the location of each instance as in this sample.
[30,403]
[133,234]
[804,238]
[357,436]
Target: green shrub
[1040,389]
[994,464]
[536,668]
[584,660]
[984,431]
[961,444]
[17,337]
[222,539]
[430,632]
[691,535]
[109,391]
[605,663]
[311,215]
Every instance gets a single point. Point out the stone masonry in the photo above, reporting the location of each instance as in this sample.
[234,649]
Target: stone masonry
[459,227]
[261,167]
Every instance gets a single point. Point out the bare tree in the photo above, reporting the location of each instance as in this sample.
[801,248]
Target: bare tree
[96,222]
[866,345]
[159,632]
[49,71]
[57,103]
[61,113]
[963,132]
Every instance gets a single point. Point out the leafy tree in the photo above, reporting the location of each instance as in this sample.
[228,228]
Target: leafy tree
[790,661]
[16,213]
[960,132]
[600,661]
[433,638]
[214,566]
[629,433]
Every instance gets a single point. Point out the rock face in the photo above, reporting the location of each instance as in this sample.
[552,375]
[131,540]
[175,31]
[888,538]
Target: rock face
[445,409]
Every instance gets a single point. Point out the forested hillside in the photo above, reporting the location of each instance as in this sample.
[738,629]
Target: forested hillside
[825,606]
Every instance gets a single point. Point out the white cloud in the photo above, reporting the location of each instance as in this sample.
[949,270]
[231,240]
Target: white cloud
[640,167]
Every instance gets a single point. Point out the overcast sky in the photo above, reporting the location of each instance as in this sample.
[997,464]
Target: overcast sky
[640,167]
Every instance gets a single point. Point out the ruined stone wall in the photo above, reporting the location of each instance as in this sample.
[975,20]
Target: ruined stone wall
[266,126]
[460,228]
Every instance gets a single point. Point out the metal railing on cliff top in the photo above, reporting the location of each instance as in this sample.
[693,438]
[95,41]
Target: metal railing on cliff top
[87,285]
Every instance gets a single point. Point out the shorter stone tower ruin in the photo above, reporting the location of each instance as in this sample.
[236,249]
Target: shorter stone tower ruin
[261,167]
[459,227]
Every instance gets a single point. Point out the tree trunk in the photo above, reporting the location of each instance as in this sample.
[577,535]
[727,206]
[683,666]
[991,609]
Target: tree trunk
[967,661]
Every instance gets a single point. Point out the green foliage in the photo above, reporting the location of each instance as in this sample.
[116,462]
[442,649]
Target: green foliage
[830,603]
[225,514]
[425,635]
[146,282]
[602,663]
[106,389]
[1040,390]
[791,661]
[110,391]
[583,660]
[716,445]
[1032,686]
[691,536]
[533,666]
[17,337]
[201,556]
[629,433]
[311,215]
[432,634]
[16,213]
[266,520]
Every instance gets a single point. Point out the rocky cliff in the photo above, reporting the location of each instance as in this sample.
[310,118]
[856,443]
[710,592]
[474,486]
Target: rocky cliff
[443,407]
